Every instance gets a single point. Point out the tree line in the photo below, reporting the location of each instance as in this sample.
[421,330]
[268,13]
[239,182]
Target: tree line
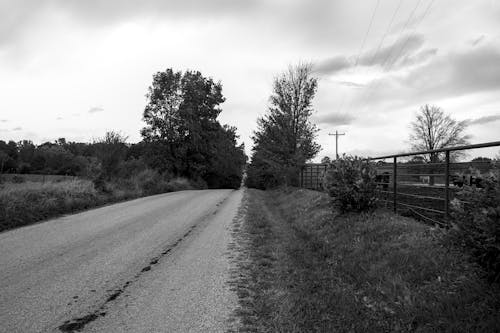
[181,138]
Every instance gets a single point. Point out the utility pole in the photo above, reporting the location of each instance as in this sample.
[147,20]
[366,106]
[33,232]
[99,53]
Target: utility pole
[337,134]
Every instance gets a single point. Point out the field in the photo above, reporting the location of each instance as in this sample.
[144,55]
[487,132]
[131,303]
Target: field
[24,202]
[15,178]
[306,269]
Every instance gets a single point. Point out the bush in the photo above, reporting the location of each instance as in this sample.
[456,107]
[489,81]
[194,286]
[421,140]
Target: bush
[18,179]
[351,182]
[476,222]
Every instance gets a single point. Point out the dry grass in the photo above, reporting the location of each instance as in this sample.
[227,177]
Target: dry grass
[29,202]
[25,203]
[314,271]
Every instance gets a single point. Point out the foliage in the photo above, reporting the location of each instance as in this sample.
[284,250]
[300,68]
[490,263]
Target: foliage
[304,268]
[476,222]
[326,160]
[285,138]
[351,182]
[183,134]
[433,129]
[28,202]
[111,151]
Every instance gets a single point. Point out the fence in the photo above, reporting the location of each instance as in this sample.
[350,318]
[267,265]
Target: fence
[421,189]
[311,176]
[426,189]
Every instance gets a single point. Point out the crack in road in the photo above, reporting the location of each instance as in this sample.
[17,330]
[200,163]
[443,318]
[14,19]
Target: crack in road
[77,324]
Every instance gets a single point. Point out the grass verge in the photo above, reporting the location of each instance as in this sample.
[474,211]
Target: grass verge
[304,269]
[29,202]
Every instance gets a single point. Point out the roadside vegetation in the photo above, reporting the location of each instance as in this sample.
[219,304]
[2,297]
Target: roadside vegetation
[183,146]
[23,203]
[310,269]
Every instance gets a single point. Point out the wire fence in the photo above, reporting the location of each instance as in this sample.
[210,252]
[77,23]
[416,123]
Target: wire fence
[411,185]
[422,189]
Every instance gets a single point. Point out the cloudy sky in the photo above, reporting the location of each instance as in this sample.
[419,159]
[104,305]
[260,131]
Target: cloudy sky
[75,69]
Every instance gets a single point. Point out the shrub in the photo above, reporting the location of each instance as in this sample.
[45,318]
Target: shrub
[350,181]
[476,222]
[178,184]
[18,179]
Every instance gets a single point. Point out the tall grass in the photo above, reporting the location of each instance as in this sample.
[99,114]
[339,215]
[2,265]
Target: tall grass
[313,271]
[28,202]
[25,203]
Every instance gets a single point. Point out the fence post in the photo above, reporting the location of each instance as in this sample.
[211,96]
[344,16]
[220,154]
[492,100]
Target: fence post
[394,180]
[447,187]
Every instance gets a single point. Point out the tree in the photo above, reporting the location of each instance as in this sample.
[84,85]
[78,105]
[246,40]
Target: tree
[481,159]
[111,151]
[326,160]
[285,138]
[433,129]
[182,134]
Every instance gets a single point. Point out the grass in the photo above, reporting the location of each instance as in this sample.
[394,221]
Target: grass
[29,202]
[13,177]
[310,270]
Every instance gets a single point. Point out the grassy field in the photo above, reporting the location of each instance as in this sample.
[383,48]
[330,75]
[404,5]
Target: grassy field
[27,202]
[17,177]
[305,269]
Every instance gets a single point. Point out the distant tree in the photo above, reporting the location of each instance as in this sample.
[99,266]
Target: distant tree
[433,129]
[111,151]
[9,156]
[418,159]
[481,159]
[285,138]
[326,160]
[4,158]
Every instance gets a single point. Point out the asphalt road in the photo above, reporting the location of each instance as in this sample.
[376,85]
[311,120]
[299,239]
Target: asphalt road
[155,264]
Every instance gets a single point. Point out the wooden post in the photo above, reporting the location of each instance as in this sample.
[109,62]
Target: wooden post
[447,186]
[395,182]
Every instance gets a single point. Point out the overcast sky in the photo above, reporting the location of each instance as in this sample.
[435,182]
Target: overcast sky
[77,68]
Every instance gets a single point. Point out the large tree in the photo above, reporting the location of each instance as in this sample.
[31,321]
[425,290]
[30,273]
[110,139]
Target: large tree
[182,131]
[285,138]
[434,129]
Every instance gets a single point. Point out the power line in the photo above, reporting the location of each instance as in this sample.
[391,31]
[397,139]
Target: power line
[362,46]
[386,32]
[383,38]
[402,30]
[366,34]
[408,37]
[426,11]
[403,46]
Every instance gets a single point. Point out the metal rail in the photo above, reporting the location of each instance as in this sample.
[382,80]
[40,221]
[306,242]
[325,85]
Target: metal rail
[426,152]
[394,181]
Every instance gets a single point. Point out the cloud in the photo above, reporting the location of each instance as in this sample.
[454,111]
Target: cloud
[332,65]
[484,119]
[16,17]
[96,109]
[456,73]
[403,52]
[392,54]
[335,119]
[476,41]
[351,84]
